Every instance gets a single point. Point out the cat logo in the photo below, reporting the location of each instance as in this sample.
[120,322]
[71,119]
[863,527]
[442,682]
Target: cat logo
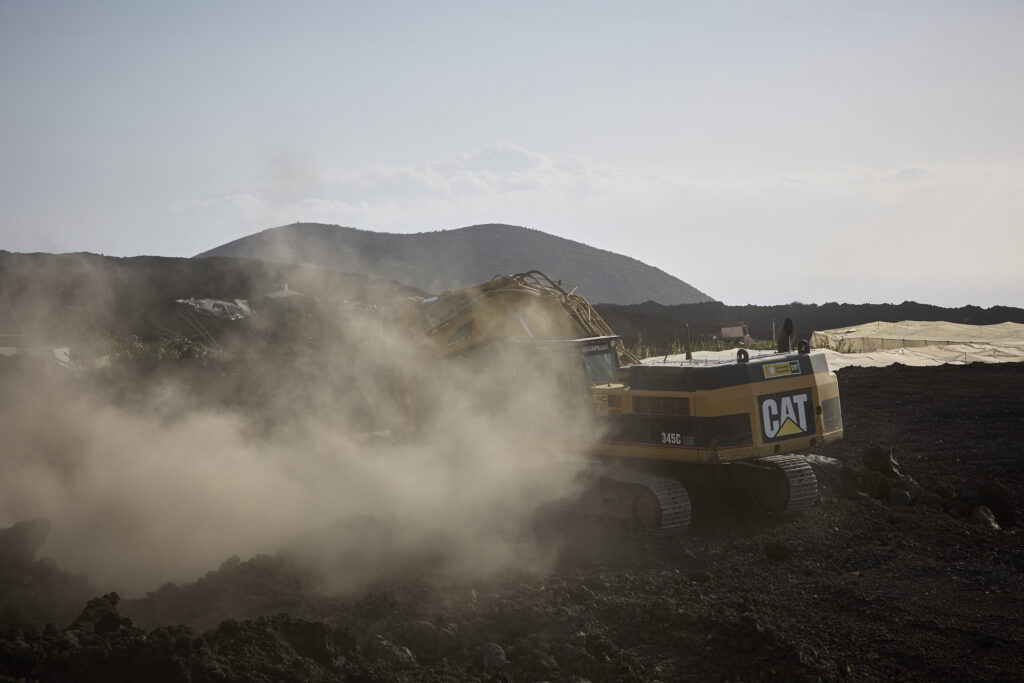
[785,416]
[781,369]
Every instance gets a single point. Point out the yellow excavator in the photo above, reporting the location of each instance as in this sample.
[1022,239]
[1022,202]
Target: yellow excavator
[662,429]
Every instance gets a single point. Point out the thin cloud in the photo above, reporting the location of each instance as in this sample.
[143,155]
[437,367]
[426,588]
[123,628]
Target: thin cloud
[508,177]
[863,233]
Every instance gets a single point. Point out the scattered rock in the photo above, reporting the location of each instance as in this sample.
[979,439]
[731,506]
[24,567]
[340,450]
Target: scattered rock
[535,642]
[429,643]
[908,484]
[983,516]
[543,664]
[865,497]
[582,594]
[900,498]
[492,658]
[574,657]
[997,498]
[376,628]
[828,471]
[395,656]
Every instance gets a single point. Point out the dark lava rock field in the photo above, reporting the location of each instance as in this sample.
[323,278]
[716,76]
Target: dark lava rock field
[910,567]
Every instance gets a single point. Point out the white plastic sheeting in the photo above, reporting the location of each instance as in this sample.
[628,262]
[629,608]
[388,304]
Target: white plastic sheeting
[909,342]
[914,342]
[879,336]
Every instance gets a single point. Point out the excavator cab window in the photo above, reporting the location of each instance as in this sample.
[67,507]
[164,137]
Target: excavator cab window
[601,364]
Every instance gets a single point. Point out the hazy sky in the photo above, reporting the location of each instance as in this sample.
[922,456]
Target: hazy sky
[764,152]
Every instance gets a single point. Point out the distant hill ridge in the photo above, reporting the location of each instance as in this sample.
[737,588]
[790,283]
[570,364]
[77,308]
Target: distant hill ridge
[449,259]
[60,296]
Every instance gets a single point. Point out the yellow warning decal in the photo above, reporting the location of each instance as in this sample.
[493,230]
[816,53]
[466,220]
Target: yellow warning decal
[774,370]
[789,428]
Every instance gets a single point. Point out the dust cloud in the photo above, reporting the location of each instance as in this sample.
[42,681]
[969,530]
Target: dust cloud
[148,478]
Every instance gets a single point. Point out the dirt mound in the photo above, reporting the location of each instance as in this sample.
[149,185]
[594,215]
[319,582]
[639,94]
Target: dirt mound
[101,644]
[894,574]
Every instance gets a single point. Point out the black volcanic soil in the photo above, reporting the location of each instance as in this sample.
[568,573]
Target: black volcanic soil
[905,588]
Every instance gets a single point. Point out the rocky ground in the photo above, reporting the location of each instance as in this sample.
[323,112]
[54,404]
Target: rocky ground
[910,567]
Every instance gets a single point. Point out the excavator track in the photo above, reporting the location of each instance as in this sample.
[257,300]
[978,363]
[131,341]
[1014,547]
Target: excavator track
[792,473]
[642,504]
[781,485]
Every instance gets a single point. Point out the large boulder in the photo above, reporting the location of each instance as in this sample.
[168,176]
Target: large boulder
[492,658]
[828,471]
[390,654]
[997,497]
[428,642]
[101,617]
[879,459]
